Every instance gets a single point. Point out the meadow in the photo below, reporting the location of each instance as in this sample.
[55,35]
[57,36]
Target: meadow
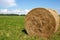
[12,28]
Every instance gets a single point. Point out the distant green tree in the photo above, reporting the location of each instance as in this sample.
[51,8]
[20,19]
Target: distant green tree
[22,15]
[9,15]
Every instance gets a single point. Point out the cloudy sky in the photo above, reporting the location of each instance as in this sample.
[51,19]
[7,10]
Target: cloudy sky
[24,6]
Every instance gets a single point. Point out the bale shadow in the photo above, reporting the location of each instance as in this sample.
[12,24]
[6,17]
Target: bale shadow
[24,31]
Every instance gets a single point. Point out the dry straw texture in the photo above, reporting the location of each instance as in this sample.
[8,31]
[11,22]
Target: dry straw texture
[41,22]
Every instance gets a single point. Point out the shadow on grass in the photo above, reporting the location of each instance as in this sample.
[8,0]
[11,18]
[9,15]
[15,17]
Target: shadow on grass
[24,31]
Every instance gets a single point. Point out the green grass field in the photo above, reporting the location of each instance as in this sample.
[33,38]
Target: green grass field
[12,28]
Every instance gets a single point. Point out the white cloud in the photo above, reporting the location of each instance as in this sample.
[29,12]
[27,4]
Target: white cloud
[7,3]
[16,11]
[26,11]
[57,10]
[4,11]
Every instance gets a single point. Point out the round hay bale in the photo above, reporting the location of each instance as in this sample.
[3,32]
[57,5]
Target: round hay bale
[41,22]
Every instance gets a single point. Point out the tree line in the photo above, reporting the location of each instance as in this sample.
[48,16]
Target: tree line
[12,15]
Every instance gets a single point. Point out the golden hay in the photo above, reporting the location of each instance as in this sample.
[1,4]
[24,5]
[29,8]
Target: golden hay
[41,22]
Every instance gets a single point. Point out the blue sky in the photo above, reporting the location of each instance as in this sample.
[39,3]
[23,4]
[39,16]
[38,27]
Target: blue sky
[29,4]
[38,3]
